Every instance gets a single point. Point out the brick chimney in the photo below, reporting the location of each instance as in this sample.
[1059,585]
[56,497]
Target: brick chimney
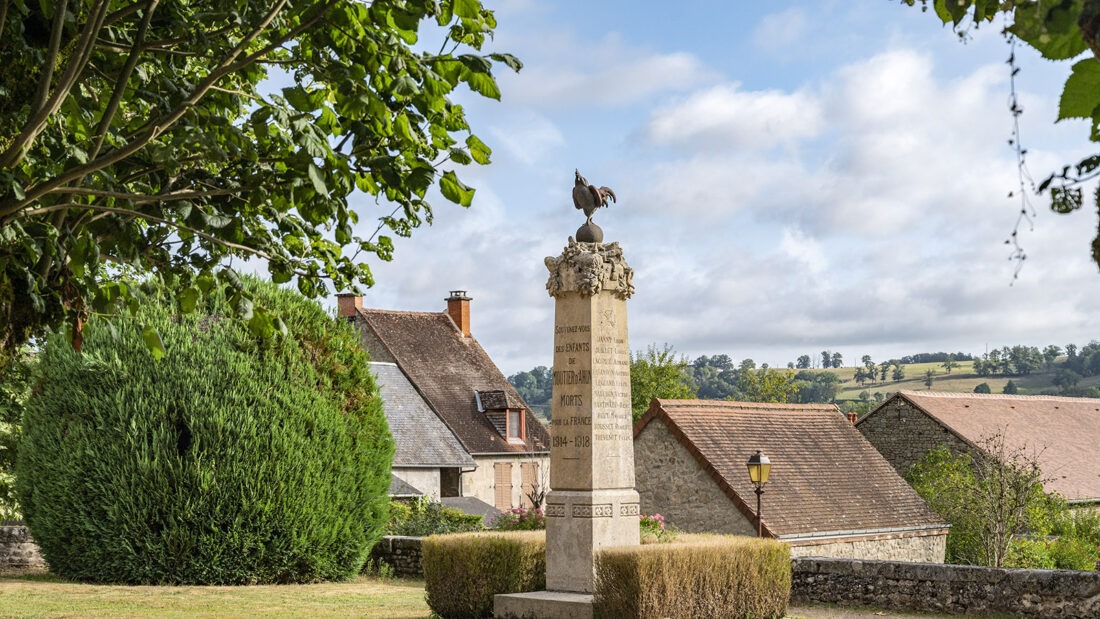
[347,303]
[852,416]
[458,308]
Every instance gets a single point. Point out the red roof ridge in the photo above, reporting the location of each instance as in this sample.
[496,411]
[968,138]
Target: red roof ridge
[998,396]
[728,404]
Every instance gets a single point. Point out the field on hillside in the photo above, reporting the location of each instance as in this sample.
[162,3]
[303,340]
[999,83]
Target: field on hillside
[962,379]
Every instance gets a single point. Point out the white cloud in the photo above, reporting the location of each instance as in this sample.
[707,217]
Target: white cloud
[781,31]
[563,72]
[527,136]
[726,117]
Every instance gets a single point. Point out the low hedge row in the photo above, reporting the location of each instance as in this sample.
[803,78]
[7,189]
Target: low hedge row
[692,576]
[695,576]
[463,571]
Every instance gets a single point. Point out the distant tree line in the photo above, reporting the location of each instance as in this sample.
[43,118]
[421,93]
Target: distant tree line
[933,357]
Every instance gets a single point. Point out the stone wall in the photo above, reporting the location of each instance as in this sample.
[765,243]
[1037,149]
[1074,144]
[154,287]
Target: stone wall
[401,553]
[670,482]
[947,588]
[910,546]
[902,433]
[17,549]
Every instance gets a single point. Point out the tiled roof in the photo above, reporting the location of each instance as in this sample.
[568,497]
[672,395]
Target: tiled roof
[1063,432]
[446,369]
[825,477]
[420,438]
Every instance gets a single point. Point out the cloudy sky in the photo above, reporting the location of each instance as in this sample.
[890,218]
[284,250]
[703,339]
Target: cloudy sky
[792,177]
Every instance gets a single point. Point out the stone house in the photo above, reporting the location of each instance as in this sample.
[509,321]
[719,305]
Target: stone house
[1063,433]
[830,494]
[461,430]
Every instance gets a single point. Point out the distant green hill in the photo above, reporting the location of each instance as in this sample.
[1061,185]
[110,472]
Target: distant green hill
[962,379]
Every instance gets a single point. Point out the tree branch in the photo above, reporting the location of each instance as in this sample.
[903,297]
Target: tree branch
[160,220]
[37,123]
[123,79]
[231,63]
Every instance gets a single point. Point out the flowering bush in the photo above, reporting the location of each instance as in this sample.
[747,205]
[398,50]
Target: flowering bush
[518,519]
[654,529]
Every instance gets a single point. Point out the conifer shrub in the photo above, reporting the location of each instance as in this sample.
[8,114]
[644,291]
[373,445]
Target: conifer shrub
[231,460]
[694,576]
[463,571]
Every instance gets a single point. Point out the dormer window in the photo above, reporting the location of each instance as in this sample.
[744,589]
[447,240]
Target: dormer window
[505,413]
[516,430]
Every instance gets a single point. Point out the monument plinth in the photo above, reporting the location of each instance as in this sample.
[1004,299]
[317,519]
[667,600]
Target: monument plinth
[592,502]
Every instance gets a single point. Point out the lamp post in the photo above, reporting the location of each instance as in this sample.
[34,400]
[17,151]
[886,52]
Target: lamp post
[759,469]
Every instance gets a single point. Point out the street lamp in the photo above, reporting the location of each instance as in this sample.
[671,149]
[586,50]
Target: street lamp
[759,469]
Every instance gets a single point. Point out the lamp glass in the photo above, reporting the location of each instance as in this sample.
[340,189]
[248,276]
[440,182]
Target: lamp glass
[759,468]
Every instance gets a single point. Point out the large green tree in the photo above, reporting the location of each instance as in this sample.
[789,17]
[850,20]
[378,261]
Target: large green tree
[989,497]
[658,373]
[1060,30]
[150,134]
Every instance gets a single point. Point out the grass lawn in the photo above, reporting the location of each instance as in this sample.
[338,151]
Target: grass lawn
[24,594]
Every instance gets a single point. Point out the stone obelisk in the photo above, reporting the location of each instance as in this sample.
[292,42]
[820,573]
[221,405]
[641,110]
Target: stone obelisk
[592,502]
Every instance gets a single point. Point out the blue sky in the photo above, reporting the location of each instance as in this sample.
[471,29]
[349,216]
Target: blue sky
[792,177]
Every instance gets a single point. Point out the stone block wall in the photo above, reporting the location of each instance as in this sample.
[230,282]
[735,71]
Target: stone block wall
[913,546]
[670,482]
[400,552]
[17,549]
[947,588]
[902,433]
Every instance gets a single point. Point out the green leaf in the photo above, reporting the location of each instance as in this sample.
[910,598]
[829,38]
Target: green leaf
[299,98]
[244,308]
[478,149]
[484,85]
[1052,31]
[454,190]
[1081,94]
[261,324]
[1065,200]
[511,61]
[188,299]
[468,9]
[215,220]
[405,86]
[153,342]
[952,10]
[317,179]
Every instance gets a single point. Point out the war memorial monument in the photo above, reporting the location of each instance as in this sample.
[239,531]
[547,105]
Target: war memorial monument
[592,502]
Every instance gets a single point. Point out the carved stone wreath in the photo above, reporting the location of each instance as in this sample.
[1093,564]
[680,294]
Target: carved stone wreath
[590,268]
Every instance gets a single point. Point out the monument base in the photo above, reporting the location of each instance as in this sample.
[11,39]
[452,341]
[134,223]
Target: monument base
[543,605]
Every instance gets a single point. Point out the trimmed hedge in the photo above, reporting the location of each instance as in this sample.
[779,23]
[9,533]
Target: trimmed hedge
[463,571]
[694,576]
[231,460]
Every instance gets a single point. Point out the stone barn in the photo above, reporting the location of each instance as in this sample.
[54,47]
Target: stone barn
[830,494]
[1062,433]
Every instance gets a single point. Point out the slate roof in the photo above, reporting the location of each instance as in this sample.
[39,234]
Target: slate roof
[1064,433]
[826,479]
[420,438]
[446,369]
[400,489]
[470,505]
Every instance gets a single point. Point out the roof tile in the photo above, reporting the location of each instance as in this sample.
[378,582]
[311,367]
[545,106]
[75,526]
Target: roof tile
[825,476]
